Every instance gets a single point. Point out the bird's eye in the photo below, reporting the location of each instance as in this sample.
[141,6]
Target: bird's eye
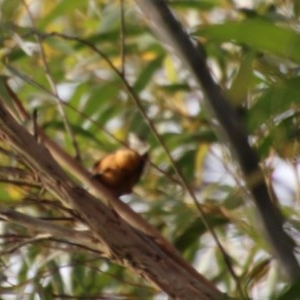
[106,170]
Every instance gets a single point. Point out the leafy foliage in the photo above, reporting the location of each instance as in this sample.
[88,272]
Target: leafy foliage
[56,56]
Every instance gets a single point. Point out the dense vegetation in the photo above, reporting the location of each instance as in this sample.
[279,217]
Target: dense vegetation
[90,72]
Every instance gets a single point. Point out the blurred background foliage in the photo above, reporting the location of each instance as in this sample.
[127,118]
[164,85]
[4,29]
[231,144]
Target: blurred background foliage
[52,52]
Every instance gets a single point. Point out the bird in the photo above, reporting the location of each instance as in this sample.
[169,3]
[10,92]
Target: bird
[119,171]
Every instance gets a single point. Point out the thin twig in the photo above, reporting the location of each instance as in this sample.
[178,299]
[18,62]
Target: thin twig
[50,228]
[18,177]
[35,124]
[53,87]
[17,173]
[122,38]
[20,183]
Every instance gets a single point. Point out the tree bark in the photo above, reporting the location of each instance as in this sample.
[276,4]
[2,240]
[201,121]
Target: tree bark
[123,244]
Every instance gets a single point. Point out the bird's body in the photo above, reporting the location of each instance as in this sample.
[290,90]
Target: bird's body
[120,171]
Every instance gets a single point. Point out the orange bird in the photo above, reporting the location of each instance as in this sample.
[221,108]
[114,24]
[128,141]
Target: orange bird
[120,171]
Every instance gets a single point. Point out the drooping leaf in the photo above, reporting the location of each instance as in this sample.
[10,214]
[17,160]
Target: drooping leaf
[256,33]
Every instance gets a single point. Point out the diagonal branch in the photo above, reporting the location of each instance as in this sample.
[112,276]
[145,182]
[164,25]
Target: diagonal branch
[55,230]
[125,245]
[97,189]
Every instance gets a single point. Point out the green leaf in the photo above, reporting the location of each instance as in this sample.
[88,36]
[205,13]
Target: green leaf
[256,274]
[147,73]
[274,101]
[61,8]
[102,98]
[257,34]
[8,9]
[291,292]
[197,4]
[242,82]
[196,229]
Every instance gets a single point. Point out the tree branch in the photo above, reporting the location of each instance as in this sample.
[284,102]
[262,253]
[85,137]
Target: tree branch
[231,129]
[125,245]
[55,230]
